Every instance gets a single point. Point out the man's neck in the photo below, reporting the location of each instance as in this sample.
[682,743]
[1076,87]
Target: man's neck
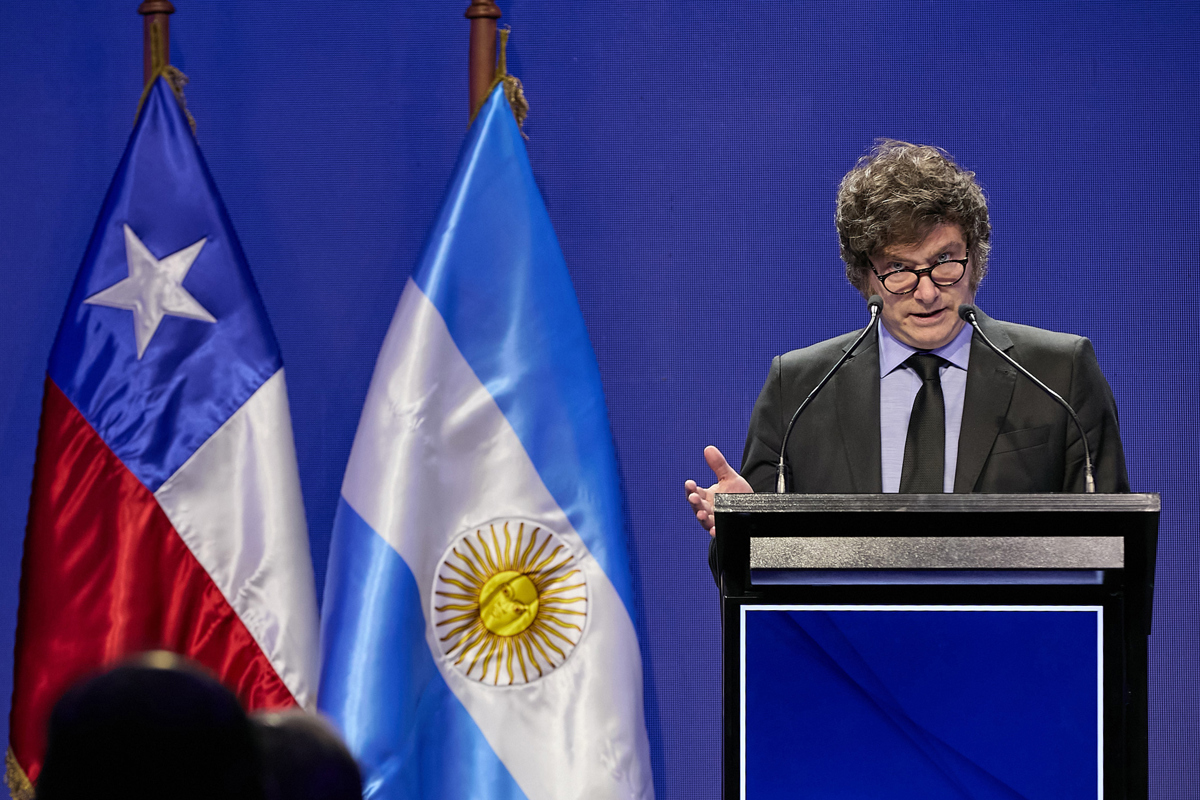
[893,352]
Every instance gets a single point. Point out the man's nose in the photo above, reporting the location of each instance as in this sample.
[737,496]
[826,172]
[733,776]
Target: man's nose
[926,290]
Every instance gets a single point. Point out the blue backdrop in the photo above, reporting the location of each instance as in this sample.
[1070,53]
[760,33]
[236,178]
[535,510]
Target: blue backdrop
[689,153]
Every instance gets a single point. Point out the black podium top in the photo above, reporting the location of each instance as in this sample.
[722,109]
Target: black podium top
[931,532]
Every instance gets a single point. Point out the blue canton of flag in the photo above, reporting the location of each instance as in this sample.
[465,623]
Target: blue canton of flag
[477,633]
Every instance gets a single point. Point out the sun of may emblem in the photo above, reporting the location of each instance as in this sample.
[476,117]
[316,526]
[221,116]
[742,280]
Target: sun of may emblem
[509,602]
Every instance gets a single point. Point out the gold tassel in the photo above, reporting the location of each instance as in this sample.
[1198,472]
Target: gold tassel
[512,84]
[175,79]
[18,784]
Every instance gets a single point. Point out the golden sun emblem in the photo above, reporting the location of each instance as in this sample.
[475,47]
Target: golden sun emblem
[509,603]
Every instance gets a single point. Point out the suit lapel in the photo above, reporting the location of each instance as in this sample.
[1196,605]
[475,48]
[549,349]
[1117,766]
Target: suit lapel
[857,397]
[990,384]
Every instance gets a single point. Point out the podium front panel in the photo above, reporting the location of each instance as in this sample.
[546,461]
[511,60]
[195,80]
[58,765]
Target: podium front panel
[922,701]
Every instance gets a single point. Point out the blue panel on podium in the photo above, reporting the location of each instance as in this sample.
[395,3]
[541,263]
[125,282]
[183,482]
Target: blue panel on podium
[984,702]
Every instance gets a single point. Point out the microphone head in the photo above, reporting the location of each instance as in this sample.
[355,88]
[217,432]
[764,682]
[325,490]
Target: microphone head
[967,313]
[875,303]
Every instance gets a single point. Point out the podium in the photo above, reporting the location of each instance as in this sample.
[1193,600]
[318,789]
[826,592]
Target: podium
[949,645]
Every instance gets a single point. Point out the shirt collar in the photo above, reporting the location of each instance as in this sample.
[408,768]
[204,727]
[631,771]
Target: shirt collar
[893,352]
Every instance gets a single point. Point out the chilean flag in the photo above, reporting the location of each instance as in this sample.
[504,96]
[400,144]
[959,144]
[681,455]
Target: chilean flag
[166,509]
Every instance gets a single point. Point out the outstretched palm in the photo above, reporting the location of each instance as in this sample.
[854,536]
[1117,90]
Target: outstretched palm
[728,482]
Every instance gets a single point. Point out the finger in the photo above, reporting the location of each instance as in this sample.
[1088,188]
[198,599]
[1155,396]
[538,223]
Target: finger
[691,487]
[718,464]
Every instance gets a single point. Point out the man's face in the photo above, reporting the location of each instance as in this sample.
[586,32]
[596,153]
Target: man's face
[927,317]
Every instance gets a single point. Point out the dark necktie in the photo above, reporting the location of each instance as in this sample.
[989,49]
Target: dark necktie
[925,447]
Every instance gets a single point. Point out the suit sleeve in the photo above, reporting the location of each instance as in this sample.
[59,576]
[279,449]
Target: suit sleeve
[1092,399]
[760,457]
[761,454]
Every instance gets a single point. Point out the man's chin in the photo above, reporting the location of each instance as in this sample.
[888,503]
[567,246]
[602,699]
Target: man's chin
[931,336]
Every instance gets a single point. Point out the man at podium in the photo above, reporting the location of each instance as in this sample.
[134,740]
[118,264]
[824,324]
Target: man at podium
[923,405]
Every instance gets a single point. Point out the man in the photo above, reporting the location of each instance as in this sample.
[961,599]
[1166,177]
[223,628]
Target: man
[924,406]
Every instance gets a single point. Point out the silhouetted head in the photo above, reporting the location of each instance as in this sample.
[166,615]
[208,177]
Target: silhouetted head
[155,727]
[304,759]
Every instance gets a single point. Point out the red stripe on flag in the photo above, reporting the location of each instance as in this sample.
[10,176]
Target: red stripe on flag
[105,575]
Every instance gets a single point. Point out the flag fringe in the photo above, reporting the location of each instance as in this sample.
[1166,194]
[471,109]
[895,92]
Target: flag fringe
[175,79]
[19,787]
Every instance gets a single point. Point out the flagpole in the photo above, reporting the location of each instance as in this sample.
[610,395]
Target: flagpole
[156,24]
[481,63]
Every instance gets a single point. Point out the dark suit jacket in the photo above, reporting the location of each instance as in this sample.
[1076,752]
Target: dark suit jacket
[1014,438]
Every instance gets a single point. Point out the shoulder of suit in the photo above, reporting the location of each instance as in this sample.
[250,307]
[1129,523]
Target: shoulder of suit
[822,353]
[1029,337]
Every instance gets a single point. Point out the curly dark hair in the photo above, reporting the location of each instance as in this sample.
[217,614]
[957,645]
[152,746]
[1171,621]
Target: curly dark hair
[896,194]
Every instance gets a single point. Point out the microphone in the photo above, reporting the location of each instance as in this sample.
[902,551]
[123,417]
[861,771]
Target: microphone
[781,470]
[968,314]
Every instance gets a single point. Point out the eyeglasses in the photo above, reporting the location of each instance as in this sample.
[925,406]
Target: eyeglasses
[943,273]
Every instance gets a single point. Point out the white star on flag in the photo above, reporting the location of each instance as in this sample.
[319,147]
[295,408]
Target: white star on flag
[153,289]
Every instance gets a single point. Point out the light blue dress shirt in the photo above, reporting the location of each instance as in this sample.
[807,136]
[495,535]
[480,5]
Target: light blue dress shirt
[898,387]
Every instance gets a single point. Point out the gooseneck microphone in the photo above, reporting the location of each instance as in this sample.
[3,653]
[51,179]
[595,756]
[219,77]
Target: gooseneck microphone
[781,471]
[968,314]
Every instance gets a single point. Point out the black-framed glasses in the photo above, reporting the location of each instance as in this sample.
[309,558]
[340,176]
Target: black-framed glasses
[943,273]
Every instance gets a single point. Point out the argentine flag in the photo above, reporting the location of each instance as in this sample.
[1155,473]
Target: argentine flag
[477,633]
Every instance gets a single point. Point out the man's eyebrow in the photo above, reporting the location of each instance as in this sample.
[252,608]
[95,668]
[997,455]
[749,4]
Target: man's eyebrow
[890,258]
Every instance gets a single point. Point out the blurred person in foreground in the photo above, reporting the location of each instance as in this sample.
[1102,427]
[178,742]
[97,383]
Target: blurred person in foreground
[154,727]
[913,228]
[303,758]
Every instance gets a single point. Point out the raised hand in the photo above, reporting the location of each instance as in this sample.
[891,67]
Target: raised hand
[728,482]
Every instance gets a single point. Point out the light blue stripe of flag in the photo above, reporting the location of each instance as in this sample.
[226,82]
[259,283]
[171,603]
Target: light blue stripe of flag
[493,268]
[381,686]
